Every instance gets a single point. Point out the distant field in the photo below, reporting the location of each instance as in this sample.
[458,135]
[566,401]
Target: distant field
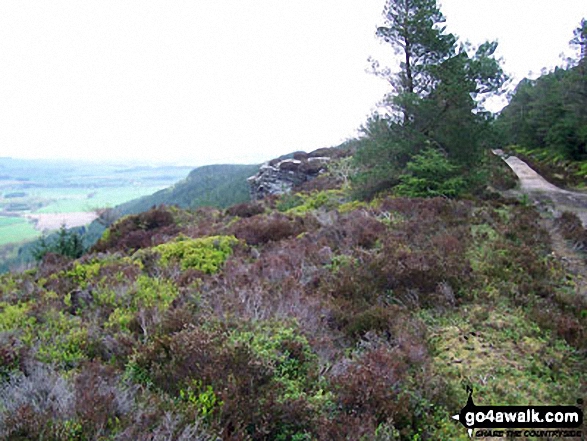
[72,201]
[6,221]
[40,195]
[15,230]
[76,201]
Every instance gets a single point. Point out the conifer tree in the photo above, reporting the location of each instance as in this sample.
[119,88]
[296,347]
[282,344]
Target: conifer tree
[437,94]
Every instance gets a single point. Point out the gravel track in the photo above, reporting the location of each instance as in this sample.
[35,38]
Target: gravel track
[539,189]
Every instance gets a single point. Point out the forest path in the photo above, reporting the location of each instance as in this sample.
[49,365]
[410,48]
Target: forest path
[539,189]
[555,200]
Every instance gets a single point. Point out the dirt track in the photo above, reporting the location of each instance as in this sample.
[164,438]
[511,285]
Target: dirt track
[556,200]
[538,188]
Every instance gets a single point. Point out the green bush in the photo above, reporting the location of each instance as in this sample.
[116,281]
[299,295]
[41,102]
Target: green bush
[61,339]
[431,174]
[283,349]
[327,199]
[14,317]
[204,254]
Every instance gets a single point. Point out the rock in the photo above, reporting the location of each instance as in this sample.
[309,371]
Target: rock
[280,176]
[300,156]
[289,165]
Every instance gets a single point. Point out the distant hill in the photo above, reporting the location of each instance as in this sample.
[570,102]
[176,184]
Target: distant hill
[219,185]
[215,185]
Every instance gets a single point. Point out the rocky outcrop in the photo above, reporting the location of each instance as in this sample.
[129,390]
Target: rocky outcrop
[279,176]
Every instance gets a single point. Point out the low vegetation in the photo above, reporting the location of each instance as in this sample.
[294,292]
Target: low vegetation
[307,317]
[362,306]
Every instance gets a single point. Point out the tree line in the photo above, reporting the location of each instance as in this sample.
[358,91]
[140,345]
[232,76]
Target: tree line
[550,112]
[431,137]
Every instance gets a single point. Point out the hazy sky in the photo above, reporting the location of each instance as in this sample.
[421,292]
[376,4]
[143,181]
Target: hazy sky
[208,81]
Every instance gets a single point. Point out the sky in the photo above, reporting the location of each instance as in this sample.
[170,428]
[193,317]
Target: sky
[197,82]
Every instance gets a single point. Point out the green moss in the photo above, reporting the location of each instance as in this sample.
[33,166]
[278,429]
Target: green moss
[204,254]
[506,357]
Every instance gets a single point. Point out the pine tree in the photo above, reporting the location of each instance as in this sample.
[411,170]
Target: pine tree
[437,94]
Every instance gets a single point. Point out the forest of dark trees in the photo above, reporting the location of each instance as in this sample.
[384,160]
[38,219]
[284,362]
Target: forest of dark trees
[550,112]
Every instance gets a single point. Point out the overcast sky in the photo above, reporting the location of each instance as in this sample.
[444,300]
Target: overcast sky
[209,81]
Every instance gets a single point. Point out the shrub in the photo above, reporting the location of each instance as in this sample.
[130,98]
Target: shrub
[371,385]
[218,373]
[30,401]
[204,254]
[501,176]
[572,230]
[431,174]
[60,339]
[100,401]
[137,231]
[12,354]
[285,351]
[288,201]
[246,209]
[375,319]
[359,228]
[15,317]
[261,229]
[353,280]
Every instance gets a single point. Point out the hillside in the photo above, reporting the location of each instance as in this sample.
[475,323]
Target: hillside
[218,186]
[213,185]
[409,275]
[310,316]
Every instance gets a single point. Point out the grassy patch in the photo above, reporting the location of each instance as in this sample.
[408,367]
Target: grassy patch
[505,357]
[16,231]
[90,199]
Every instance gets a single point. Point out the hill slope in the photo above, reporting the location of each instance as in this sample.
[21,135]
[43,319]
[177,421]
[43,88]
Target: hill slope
[213,185]
[307,318]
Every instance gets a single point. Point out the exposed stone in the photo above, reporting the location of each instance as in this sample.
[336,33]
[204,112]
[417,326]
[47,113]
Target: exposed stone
[279,176]
[323,152]
[301,156]
[289,165]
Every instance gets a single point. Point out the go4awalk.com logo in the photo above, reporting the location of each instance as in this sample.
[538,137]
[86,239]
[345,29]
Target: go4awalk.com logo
[506,421]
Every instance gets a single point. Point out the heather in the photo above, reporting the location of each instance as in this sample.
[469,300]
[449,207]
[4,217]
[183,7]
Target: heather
[361,305]
[305,317]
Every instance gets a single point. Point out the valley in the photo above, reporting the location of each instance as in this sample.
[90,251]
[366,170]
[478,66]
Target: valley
[39,196]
